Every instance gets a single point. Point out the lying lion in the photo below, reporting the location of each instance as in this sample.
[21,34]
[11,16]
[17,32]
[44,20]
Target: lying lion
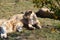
[28,18]
[32,19]
[9,26]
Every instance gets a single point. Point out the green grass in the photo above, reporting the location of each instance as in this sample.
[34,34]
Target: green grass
[43,34]
[7,10]
[10,7]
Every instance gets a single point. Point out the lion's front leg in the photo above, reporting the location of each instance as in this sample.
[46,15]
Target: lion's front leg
[38,25]
[31,27]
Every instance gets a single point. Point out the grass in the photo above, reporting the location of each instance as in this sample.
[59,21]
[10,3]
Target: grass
[43,34]
[9,8]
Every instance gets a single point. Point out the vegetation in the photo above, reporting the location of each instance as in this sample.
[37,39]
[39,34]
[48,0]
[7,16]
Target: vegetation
[53,5]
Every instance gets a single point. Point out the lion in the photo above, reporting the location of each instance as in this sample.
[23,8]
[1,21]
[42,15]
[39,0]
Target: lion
[29,19]
[32,19]
[9,26]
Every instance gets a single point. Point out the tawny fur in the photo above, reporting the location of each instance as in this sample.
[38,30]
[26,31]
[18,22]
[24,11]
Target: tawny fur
[10,26]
